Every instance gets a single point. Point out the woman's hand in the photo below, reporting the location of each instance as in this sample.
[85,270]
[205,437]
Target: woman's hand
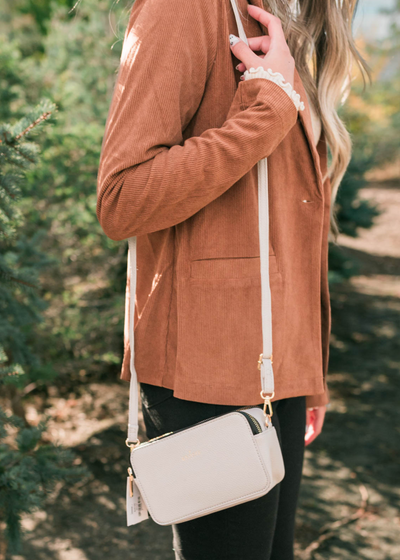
[314,422]
[276,55]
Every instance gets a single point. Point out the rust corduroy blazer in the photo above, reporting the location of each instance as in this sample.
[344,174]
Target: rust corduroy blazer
[178,170]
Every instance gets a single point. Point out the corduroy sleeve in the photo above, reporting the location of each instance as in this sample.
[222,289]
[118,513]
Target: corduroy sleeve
[148,178]
[320,399]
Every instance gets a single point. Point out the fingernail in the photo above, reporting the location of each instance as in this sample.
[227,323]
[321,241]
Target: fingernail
[241,78]
[233,39]
[237,67]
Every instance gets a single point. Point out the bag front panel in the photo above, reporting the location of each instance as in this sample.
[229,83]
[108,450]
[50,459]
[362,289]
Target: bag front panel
[200,470]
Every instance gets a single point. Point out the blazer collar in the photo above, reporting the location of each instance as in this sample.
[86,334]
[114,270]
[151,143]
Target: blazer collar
[251,27]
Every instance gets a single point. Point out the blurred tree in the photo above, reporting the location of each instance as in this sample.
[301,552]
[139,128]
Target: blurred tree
[21,259]
[84,288]
[41,10]
[28,19]
[28,466]
[373,118]
[29,469]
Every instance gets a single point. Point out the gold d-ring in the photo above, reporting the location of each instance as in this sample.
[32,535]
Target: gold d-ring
[133,444]
[266,396]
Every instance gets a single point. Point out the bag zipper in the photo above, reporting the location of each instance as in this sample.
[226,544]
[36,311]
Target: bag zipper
[254,424]
[248,416]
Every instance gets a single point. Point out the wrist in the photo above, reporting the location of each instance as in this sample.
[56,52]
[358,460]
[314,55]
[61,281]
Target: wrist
[327,405]
[277,78]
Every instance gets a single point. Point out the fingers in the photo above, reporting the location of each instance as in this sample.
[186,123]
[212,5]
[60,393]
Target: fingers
[256,44]
[276,53]
[314,420]
[310,433]
[261,43]
[272,23]
[319,420]
[243,52]
[310,436]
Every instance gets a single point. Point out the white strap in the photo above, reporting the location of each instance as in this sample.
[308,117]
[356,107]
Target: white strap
[239,23]
[267,376]
[133,418]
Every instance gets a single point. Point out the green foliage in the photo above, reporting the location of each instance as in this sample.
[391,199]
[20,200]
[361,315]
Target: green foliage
[21,260]
[11,80]
[83,286]
[41,10]
[37,12]
[29,469]
[86,287]
[29,466]
[372,117]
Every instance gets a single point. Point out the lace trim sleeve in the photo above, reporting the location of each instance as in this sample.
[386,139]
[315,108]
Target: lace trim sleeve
[278,79]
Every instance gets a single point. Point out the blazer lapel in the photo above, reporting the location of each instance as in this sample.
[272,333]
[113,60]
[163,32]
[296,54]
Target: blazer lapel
[305,119]
[251,28]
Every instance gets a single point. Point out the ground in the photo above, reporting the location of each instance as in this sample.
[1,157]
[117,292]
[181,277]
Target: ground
[350,497]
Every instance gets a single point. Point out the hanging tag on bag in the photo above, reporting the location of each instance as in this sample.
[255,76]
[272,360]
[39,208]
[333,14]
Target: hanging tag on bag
[136,510]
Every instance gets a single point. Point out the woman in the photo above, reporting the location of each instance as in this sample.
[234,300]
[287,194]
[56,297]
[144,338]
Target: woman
[178,170]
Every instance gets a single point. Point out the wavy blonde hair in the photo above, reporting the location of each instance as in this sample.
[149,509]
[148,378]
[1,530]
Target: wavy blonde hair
[319,35]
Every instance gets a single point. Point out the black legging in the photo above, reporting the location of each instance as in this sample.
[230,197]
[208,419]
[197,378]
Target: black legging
[261,529]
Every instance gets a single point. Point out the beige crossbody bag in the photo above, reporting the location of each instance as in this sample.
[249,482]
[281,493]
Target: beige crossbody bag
[234,457]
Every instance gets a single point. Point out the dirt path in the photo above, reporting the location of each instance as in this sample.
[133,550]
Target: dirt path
[356,459]
[358,455]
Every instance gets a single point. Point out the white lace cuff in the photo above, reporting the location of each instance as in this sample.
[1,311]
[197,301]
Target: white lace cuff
[278,79]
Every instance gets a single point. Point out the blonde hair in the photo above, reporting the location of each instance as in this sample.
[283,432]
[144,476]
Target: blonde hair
[319,35]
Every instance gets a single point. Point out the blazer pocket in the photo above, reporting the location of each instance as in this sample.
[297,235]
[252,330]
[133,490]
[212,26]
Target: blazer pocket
[230,268]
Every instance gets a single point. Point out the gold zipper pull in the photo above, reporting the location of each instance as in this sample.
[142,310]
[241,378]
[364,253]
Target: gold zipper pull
[130,476]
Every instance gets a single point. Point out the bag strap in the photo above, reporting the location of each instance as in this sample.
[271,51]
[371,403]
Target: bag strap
[265,361]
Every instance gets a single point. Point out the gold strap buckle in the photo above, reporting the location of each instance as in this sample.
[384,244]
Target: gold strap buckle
[260,359]
[267,404]
[132,444]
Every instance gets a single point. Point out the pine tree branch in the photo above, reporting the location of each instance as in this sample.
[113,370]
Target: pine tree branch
[23,282]
[21,154]
[10,194]
[40,119]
